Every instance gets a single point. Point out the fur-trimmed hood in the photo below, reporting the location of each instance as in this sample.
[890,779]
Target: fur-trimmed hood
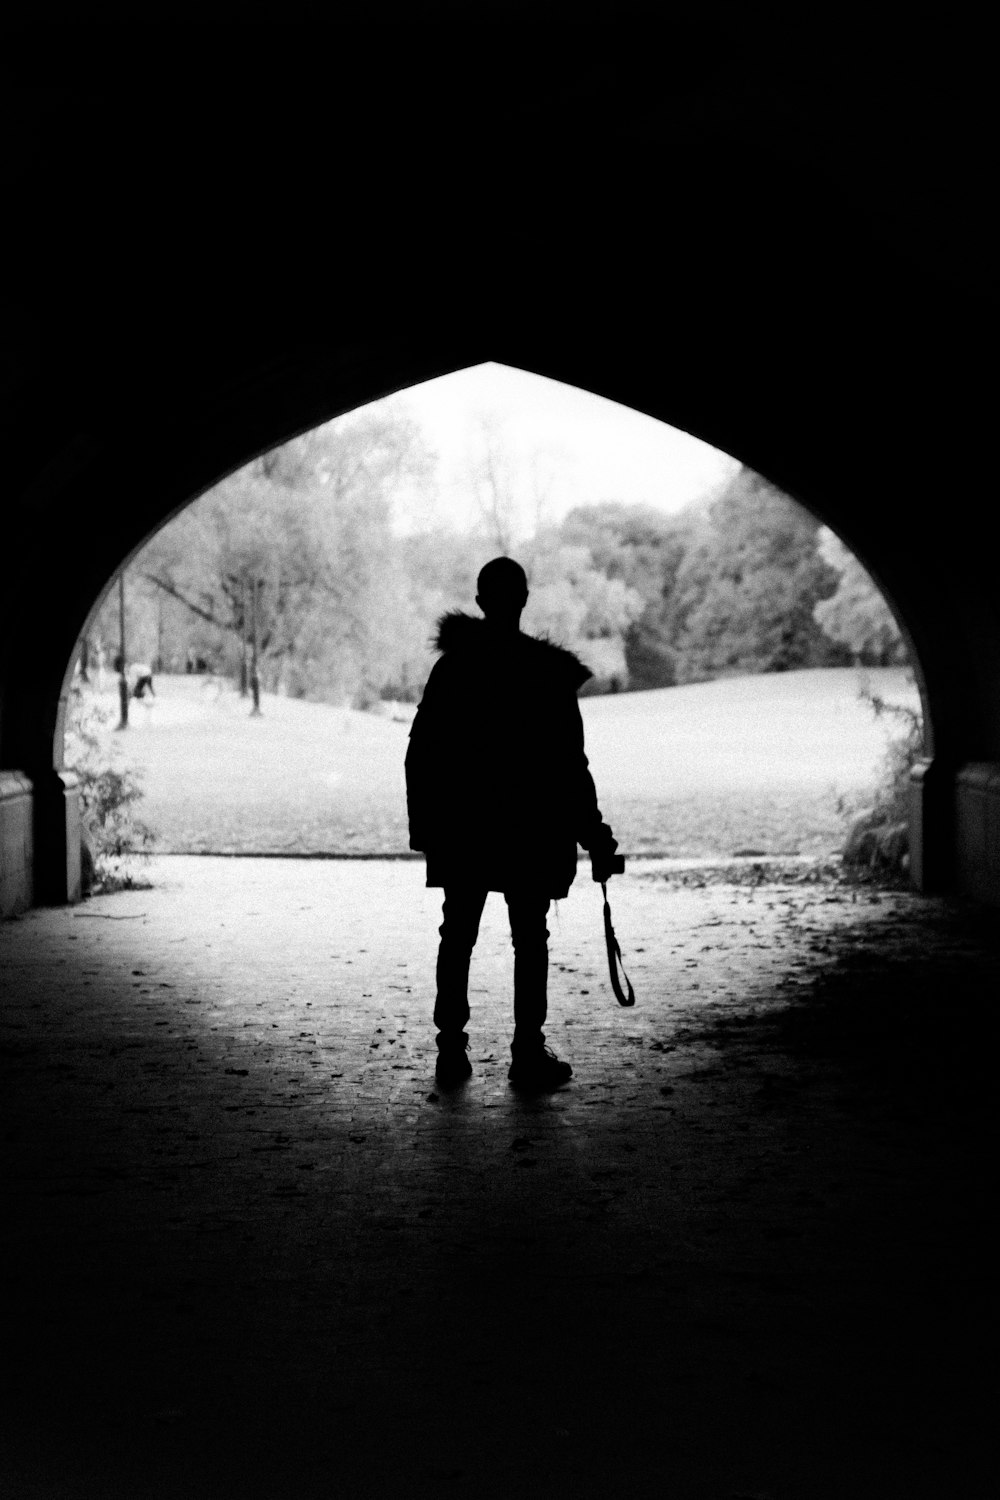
[461,634]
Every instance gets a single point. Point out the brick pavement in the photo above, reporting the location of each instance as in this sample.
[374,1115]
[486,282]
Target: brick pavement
[254,1251]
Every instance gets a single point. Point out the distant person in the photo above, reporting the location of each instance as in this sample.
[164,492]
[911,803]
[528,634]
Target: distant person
[140,678]
[499,795]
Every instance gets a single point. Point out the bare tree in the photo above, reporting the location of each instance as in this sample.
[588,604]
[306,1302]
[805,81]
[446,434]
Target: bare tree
[492,478]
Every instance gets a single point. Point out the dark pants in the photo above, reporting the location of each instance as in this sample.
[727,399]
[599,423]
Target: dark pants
[463,908]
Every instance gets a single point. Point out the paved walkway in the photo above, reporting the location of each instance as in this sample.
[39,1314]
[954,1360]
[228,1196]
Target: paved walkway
[254,1252]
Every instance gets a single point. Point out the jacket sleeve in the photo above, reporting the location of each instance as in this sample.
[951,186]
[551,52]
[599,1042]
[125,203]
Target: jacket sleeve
[423,767]
[589,825]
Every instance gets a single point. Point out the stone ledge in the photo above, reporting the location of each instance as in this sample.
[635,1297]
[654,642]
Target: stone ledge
[57,832]
[16,842]
[932,853]
[977,830]
[14,784]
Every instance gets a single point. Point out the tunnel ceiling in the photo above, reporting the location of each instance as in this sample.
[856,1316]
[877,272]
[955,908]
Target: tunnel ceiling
[260,174]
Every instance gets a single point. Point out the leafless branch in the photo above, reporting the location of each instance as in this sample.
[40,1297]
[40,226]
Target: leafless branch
[196,609]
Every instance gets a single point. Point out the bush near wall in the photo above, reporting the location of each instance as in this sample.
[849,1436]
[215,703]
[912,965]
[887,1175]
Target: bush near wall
[116,840]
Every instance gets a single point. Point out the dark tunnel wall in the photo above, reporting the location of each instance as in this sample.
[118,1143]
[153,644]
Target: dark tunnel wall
[763,244]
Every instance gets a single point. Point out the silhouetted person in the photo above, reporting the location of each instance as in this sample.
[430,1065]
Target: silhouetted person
[141,679]
[499,795]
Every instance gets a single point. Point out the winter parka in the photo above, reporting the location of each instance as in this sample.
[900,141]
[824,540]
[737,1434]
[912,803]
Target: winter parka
[498,787]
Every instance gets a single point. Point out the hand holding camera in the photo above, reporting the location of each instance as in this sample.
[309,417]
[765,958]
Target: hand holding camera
[604,862]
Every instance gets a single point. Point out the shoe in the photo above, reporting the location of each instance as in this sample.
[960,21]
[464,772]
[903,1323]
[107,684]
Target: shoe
[453,1066]
[539,1070]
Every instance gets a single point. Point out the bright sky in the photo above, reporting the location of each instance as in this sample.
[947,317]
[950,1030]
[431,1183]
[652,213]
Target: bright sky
[566,446]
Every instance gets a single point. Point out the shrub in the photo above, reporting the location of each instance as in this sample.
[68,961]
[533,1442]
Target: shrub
[892,792]
[878,842]
[109,796]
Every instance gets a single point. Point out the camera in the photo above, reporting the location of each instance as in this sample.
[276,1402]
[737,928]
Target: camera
[606,865]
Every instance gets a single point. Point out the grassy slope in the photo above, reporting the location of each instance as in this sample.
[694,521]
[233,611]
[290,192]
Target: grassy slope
[754,762]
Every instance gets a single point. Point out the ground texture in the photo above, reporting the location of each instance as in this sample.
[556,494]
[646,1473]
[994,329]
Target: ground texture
[253,1251]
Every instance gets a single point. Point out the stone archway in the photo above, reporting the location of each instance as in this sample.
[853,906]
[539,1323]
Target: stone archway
[108,632]
[786,310]
[269,419]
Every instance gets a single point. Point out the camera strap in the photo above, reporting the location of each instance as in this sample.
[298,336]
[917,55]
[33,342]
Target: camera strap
[615,956]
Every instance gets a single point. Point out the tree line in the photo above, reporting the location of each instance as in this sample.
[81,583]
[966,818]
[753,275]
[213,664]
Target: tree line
[295,559]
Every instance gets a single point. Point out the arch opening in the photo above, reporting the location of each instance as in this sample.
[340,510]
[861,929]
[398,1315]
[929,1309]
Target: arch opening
[585,563]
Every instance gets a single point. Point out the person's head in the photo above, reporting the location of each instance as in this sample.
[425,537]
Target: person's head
[502,592]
